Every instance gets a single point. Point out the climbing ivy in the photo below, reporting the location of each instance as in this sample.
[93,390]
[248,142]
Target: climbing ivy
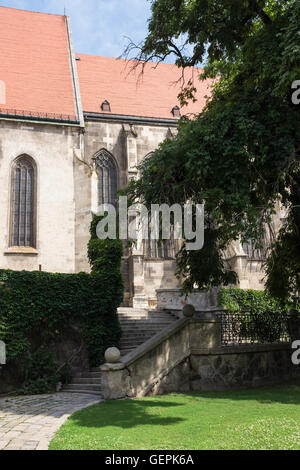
[36,307]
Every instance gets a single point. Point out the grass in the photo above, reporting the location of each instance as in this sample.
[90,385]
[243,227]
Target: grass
[254,419]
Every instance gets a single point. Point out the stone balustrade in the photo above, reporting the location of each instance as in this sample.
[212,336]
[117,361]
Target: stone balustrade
[188,356]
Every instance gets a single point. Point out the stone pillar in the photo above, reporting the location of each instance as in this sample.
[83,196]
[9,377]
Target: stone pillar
[140,299]
[115,381]
[205,332]
[2,353]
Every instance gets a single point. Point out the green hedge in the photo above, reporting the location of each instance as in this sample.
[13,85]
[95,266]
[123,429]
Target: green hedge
[36,307]
[255,301]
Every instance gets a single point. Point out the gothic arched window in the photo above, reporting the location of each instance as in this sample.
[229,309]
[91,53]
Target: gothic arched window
[23,204]
[149,155]
[107,177]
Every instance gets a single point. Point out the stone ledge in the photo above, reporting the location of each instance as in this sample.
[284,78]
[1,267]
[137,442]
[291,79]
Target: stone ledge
[21,250]
[108,366]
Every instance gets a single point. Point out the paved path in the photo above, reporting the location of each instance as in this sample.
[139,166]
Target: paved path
[29,423]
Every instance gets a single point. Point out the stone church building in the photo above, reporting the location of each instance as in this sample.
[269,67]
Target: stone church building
[73,129]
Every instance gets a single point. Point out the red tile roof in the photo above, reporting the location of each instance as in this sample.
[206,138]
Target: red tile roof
[103,78]
[35,62]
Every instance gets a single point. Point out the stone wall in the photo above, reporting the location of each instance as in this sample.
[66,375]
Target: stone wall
[235,368]
[172,299]
[129,145]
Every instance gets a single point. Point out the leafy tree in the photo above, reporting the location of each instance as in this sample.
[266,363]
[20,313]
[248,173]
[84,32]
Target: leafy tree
[241,154]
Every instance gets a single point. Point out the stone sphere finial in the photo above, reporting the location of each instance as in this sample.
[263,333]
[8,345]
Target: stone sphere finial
[112,355]
[189,311]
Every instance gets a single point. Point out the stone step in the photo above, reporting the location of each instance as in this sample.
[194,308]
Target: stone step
[125,351]
[79,386]
[132,310]
[86,380]
[96,370]
[131,345]
[135,330]
[93,374]
[146,322]
[127,329]
[136,333]
[149,323]
[121,315]
[135,338]
[140,331]
[86,392]
[147,314]
[137,327]
[86,374]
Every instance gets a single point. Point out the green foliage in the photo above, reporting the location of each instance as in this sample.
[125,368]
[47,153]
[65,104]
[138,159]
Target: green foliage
[41,375]
[283,265]
[254,301]
[214,27]
[240,155]
[36,307]
[104,255]
[189,261]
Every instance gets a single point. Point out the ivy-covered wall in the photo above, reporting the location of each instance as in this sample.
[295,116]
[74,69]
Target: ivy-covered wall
[38,311]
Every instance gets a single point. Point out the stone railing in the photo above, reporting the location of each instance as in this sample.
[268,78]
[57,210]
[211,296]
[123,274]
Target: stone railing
[139,372]
[189,356]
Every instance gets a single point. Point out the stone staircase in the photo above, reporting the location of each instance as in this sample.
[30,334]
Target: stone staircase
[85,382]
[138,326]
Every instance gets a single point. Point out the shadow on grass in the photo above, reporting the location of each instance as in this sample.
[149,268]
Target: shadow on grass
[286,394]
[132,413]
[126,414]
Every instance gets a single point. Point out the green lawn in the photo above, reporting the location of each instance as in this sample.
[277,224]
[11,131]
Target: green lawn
[252,419]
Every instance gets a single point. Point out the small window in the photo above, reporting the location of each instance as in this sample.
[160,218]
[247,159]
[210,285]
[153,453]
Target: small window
[106,107]
[176,111]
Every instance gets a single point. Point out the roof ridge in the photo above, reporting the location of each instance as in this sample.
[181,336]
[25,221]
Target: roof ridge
[44,84]
[32,11]
[132,60]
